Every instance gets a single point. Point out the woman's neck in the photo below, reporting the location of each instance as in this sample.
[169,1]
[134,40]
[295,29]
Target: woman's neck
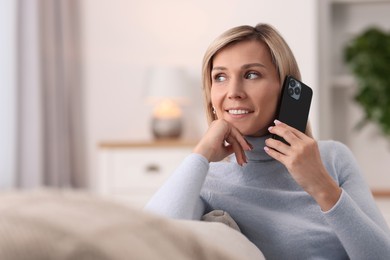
[257,154]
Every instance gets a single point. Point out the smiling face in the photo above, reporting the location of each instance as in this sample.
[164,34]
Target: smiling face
[245,87]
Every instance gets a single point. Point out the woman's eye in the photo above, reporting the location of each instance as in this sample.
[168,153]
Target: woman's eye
[252,75]
[219,78]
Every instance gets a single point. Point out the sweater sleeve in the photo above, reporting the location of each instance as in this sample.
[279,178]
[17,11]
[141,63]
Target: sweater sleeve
[179,197]
[355,218]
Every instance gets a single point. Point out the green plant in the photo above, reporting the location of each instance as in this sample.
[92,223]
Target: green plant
[368,57]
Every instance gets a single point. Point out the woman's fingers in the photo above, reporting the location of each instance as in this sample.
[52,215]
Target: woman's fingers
[237,150]
[213,146]
[302,158]
[239,145]
[278,146]
[299,143]
[287,131]
[275,154]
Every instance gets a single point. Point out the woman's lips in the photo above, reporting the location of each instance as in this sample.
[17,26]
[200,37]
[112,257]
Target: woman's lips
[238,112]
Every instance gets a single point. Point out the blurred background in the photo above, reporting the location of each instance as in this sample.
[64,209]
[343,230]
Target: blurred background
[80,106]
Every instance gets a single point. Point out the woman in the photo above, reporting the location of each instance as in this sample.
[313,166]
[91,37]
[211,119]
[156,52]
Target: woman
[300,201]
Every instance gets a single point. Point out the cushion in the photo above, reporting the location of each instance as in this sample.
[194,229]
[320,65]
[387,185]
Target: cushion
[55,224]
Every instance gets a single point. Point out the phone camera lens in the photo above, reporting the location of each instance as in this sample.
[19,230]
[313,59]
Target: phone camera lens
[290,91]
[292,83]
[297,91]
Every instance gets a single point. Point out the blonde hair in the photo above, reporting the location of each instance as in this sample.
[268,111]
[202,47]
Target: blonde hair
[281,54]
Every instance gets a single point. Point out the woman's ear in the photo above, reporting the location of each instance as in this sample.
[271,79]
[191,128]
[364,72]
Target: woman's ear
[214,111]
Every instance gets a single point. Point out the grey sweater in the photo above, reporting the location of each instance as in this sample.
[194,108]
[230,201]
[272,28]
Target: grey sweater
[274,212]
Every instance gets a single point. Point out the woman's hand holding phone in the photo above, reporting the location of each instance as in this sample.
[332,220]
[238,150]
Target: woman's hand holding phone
[303,161]
[221,140]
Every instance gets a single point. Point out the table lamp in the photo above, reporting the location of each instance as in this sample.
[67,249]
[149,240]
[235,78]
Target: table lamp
[167,89]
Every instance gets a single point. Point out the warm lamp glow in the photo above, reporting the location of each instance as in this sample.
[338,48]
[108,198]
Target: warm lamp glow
[167,109]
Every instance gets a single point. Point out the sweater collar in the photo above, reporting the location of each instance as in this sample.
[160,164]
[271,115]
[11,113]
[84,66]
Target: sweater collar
[257,154]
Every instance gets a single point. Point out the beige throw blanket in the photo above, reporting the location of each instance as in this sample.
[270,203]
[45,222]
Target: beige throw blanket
[73,225]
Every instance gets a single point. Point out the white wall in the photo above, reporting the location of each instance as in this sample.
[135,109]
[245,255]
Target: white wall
[123,38]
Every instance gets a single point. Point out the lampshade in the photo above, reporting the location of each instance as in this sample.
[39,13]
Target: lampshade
[167,88]
[167,83]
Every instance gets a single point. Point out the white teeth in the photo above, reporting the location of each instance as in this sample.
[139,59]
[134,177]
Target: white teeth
[238,111]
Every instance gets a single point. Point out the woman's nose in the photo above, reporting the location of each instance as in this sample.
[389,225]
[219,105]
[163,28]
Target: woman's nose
[236,90]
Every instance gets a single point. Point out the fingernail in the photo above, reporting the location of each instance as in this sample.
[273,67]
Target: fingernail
[270,128]
[276,121]
[266,148]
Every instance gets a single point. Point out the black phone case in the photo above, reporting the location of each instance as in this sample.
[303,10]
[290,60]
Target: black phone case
[294,105]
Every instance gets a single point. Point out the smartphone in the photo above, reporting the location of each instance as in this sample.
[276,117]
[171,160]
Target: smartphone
[294,104]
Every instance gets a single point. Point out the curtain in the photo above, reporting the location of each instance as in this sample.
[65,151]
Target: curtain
[50,148]
[7,92]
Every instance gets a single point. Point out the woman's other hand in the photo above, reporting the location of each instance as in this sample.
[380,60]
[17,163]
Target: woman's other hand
[221,140]
[303,161]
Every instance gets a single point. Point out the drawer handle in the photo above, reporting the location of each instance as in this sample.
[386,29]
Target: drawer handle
[153,168]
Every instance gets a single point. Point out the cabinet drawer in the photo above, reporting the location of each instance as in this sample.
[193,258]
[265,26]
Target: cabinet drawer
[144,168]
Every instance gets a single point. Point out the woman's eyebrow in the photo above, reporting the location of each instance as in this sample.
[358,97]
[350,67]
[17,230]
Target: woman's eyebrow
[218,68]
[245,66]
[251,65]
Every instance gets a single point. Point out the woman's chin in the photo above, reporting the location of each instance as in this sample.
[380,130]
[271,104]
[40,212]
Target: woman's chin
[249,130]
[255,133]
